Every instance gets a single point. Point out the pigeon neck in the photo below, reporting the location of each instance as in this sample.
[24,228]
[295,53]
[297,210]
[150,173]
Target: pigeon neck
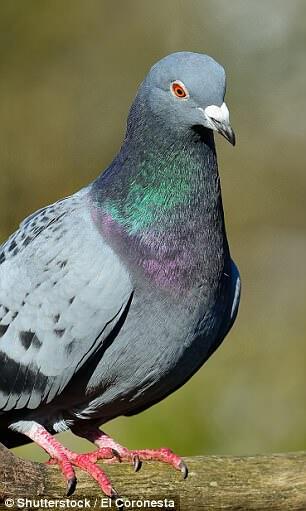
[161,180]
[160,199]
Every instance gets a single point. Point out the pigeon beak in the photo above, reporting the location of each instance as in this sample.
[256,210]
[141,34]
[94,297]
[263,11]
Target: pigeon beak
[218,120]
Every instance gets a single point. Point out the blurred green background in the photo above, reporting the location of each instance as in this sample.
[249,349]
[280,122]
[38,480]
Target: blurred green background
[68,73]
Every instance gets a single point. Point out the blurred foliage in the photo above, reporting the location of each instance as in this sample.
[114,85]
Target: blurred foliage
[68,73]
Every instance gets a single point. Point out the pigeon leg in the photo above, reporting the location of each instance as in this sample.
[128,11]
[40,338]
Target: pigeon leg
[102,440]
[67,459]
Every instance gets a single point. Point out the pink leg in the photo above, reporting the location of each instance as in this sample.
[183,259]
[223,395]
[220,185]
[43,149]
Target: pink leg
[66,459]
[102,440]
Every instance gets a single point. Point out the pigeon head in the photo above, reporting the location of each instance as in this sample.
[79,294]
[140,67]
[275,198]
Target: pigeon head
[186,91]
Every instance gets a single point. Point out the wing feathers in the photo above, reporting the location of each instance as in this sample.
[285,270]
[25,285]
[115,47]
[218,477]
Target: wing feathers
[62,290]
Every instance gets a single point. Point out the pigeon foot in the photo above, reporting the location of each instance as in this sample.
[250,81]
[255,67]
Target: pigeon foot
[102,440]
[163,454]
[67,460]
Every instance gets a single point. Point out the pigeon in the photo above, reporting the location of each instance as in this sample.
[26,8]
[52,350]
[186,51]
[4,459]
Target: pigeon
[112,298]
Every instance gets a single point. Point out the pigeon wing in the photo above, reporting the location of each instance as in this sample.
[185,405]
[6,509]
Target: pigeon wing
[62,290]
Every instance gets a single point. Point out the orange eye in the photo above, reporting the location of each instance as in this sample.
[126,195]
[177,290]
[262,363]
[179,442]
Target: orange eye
[179,90]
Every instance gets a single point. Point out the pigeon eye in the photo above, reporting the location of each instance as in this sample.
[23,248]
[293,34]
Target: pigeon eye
[179,90]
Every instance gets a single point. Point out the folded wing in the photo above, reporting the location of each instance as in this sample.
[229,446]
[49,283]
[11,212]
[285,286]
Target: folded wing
[62,291]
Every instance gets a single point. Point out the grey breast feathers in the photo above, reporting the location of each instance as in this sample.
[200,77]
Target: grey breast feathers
[62,290]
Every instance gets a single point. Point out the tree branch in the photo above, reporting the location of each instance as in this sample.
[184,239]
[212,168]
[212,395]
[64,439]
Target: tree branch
[273,482]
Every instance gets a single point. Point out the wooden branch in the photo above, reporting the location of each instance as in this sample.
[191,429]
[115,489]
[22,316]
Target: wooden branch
[275,482]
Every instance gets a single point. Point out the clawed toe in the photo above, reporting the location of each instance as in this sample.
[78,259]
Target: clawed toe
[164,455]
